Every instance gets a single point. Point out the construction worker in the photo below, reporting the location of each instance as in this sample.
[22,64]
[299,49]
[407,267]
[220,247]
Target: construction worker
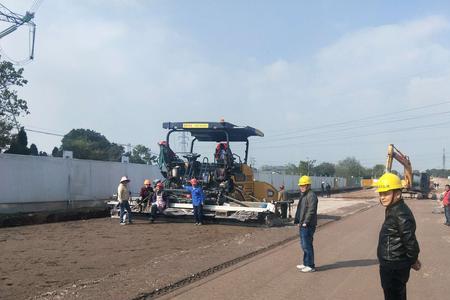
[282,196]
[446,204]
[306,218]
[198,200]
[159,202]
[322,189]
[146,194]
[124,195]
[398,249]
[328,188]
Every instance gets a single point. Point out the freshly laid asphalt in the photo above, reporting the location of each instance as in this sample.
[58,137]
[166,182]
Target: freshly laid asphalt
[347,266]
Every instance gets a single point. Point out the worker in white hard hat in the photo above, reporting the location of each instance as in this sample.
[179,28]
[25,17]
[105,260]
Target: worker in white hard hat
[306,218]
[124,195]
[398,249]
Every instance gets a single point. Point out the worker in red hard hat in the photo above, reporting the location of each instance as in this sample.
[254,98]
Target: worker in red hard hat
[160,201]
[198,199]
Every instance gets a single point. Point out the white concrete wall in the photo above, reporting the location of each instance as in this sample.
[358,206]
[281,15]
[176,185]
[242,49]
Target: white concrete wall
[25,179]
[291,181]
[61,183]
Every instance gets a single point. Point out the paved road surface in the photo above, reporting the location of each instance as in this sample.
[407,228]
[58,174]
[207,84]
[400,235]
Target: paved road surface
[346,260]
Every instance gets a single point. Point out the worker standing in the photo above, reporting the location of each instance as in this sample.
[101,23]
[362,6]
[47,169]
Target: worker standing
[282,196]
[322,189]
[124,195]
[398,249]
[306,218]
[198,199]
[446,203]
[328,188]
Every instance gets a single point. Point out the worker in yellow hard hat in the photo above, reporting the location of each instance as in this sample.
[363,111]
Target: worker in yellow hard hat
[306,218]
[398,249]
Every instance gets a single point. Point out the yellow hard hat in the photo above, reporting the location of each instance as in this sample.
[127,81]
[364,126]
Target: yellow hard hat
[147,181]
[389,182]
[304,180]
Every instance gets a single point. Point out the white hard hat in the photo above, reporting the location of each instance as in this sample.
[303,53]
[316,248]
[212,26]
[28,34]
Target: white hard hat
[124,178]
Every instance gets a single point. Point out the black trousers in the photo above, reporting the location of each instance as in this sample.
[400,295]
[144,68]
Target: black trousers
[394,282]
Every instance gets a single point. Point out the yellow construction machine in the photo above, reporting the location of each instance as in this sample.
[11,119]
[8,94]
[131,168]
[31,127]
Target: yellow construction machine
[414,183]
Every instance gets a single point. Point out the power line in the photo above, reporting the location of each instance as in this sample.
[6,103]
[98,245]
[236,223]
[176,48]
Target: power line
[355,127]
[44,132]
[353,136]
[363,119]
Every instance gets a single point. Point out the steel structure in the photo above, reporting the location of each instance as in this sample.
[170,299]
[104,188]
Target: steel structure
[17,20]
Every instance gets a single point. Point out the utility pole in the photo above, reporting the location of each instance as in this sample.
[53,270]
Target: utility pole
[443,158]
[184,142]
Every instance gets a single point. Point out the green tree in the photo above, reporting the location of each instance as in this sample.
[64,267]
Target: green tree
[56,152]
[34,150]
[142,155]
[442,173]
[19,143]
[349,167]
[88,144]
[306,167]
[378,170]
[325,169]
[11,106]
[292,169]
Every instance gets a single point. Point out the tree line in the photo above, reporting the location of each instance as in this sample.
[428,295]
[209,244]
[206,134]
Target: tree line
[84,144]
[347,167]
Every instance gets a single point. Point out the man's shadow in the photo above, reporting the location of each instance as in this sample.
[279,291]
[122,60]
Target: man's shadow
[349,264]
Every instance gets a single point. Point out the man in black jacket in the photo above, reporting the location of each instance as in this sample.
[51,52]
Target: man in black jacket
[398,249]
[306,218]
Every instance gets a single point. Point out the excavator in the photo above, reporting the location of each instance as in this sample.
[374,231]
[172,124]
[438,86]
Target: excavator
[414,183]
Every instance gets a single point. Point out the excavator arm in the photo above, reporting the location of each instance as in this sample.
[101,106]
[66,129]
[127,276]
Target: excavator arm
[394,153]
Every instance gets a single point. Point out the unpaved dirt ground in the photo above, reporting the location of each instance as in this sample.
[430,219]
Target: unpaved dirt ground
[99,259]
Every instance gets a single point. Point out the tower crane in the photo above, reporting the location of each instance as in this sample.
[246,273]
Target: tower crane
[17,20]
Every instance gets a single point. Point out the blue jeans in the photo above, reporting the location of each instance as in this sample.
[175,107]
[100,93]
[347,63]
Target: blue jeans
[125,205]
[447,214]
[198,213]
[306,241]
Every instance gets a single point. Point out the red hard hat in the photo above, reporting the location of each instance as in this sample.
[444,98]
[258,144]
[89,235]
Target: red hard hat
[160,185]
[193,181]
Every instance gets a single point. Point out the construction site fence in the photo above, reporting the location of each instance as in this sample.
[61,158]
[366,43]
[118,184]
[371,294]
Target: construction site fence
[37,183]
[291,181]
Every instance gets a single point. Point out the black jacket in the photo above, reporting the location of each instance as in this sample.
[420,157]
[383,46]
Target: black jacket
[397,243]
[307,209]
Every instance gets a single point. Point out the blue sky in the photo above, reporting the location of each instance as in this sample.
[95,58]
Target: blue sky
[323,79]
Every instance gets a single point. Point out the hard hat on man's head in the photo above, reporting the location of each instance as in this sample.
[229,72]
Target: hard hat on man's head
[147,181]
[389,182]
[124,179]
[194,181]
[159,185]
[304,180]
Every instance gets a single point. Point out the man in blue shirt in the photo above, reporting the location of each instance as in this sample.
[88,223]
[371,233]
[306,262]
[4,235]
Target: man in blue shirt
[198,199]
